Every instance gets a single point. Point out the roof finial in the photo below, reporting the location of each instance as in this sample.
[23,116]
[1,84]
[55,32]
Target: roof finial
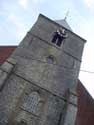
[67,13]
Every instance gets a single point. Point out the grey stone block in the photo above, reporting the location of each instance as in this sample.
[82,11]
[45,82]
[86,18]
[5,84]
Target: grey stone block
[73,99]
[7,67]
[70,116]
[11,60]
[3,77]
[50,122]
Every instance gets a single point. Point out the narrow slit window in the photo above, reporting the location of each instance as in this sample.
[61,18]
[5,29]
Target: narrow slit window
[50,59]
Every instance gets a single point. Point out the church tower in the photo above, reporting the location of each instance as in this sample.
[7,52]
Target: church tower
[38,82]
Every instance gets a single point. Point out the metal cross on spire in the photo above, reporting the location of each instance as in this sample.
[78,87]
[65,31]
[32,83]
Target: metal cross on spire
[67,13]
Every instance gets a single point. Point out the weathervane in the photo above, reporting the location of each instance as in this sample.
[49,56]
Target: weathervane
[67,13]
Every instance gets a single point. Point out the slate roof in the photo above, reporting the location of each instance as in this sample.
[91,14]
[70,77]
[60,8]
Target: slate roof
[64,24]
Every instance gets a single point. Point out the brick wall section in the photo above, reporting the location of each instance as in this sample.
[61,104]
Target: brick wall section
[5,52]
[85,115]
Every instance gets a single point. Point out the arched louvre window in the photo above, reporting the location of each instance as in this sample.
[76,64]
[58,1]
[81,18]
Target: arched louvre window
[31,102]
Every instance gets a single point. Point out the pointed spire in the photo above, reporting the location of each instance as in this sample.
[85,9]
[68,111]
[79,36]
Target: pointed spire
[63,22]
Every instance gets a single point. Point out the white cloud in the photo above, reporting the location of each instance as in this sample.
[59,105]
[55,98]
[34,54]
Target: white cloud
[24,3]
[38,1]
[89,3]
[18,24]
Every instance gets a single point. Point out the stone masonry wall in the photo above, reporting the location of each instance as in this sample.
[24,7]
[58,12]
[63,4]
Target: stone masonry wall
[35,90]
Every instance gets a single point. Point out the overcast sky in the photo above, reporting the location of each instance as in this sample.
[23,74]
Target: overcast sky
[18,16]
